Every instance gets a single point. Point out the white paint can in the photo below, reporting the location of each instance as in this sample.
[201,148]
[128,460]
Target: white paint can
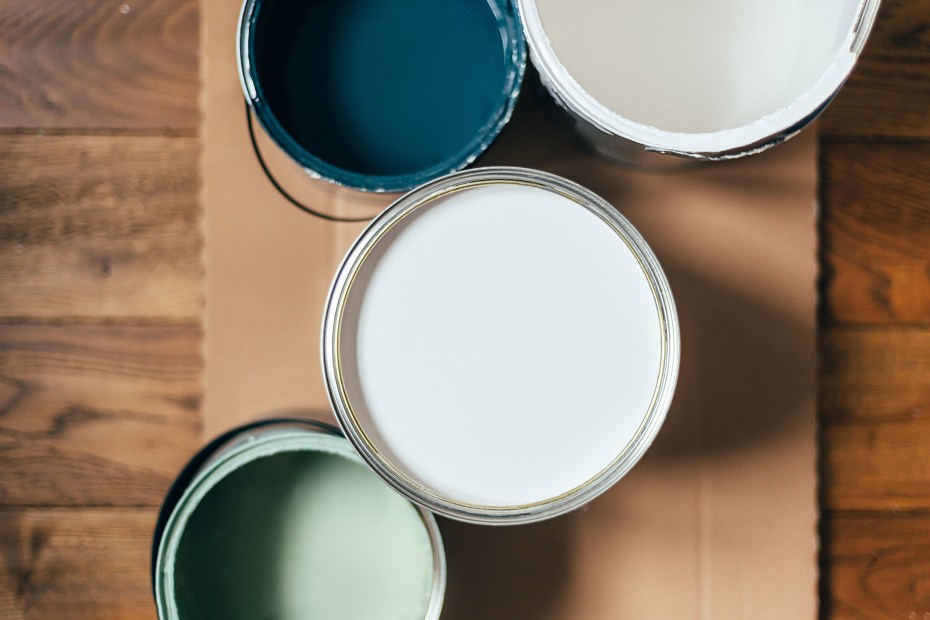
[709,79]
[500,345]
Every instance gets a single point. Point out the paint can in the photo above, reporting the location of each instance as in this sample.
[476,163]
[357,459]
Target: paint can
[500,346]
[381,96]
[281,519]
[704,80]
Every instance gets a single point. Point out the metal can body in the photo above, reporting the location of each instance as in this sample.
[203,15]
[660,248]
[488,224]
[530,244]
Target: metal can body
[228,454]
[383,462]
[618,137]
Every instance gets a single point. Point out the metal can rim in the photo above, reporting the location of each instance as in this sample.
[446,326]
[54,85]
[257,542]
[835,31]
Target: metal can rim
[574,498]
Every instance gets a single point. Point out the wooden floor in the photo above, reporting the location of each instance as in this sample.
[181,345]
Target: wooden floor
[875,328]
[100,294]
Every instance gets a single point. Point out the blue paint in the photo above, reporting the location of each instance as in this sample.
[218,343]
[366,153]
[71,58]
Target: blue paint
[384,94]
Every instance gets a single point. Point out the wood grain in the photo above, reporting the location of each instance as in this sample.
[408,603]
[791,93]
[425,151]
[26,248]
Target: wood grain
[888,95]
[875,233]
[99,64]
[96,415]
[874,388]
[75,563]
[875,419]
[901,31]
[877,566]
[100,295]
[99,226]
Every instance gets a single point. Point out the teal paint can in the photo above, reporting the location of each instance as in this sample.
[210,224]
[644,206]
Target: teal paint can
[281,519]
[381,95]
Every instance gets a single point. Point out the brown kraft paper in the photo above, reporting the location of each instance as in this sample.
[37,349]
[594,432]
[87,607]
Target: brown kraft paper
[718,521]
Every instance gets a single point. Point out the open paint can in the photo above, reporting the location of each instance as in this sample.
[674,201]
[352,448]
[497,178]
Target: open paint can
[500,345]
[281,519]
[714,79]
[381,95]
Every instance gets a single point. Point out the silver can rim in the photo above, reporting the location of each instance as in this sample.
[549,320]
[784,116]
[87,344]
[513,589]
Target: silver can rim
[572,97]
[235,453]
[626,458]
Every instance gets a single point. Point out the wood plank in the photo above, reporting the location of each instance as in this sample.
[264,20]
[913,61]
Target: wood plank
[875,416]
[875,382]
[875,227]
[902,31]
[888,95]
[74,563]
[883,100]
[99,64]
[96,415]
[99,226]
[876,566]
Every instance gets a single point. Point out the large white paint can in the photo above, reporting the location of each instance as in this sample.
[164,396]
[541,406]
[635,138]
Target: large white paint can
[500,345]
[708,79]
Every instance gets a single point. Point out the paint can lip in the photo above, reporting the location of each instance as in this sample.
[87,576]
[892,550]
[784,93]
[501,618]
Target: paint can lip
[448,506]
[232,450]
[516,58]
[747,139]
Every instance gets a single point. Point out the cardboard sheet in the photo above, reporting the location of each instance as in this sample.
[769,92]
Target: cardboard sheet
[718,522]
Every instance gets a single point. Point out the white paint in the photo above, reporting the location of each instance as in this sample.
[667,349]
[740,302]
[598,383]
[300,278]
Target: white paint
[501,346]
[696,67]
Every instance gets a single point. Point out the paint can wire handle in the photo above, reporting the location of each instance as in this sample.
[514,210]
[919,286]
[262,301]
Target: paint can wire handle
[280,188]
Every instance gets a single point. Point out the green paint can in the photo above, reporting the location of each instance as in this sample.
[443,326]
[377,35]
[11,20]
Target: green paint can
[281,519]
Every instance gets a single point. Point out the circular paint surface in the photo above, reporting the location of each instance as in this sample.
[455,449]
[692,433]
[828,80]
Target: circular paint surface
[378,94]
[501,345]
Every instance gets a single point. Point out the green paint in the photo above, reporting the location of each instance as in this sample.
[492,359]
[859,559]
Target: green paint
[302,535]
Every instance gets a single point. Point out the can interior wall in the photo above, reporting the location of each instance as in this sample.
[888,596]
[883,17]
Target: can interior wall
[461,418]
[381,96]
[710,80]
[281,517]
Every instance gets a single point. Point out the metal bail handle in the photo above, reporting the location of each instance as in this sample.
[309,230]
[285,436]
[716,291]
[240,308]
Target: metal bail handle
[277,185]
